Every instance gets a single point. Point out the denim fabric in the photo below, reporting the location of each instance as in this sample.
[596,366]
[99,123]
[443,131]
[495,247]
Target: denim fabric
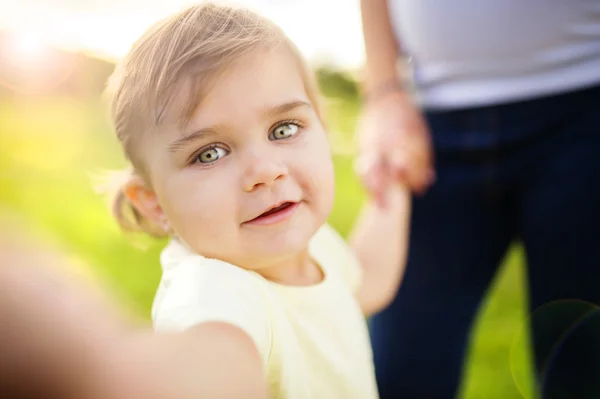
[526,171]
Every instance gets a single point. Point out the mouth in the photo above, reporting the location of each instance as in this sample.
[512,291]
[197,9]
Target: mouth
[275,214]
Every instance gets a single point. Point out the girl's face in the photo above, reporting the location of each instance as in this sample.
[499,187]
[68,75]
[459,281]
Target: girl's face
[250,180]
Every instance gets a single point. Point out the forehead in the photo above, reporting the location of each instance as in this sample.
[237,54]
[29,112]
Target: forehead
[259,80]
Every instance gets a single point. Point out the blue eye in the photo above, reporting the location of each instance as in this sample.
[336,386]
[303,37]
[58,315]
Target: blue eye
[284,131]
[211,155]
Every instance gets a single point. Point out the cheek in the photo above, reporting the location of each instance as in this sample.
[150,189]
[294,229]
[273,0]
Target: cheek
[317,172]
[196,205]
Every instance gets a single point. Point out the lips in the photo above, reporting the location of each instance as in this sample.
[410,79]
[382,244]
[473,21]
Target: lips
[276,209]
[276,213]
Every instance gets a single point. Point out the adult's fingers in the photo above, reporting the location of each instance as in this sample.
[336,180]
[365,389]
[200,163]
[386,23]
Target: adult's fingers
[411,161]
[373,172]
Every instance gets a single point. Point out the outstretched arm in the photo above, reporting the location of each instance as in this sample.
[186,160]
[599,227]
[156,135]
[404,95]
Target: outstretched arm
[59,339]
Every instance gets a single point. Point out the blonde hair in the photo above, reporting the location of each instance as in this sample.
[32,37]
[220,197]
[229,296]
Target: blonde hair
[183,53]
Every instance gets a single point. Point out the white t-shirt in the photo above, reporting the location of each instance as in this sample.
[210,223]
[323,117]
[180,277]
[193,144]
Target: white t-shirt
[479,52]
[313,340]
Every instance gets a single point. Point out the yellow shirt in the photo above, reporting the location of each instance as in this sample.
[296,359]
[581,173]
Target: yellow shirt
[313,340]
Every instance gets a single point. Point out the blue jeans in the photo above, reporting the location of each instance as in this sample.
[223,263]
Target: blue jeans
[527,171]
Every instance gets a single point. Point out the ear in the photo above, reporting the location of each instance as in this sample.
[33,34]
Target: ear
[144,199]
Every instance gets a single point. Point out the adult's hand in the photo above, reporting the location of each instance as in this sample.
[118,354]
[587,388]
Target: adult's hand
[394,145]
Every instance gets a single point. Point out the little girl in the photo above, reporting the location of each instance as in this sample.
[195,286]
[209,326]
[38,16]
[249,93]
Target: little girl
[219,116]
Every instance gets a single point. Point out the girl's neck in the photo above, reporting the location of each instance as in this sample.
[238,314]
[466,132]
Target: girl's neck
[300,270]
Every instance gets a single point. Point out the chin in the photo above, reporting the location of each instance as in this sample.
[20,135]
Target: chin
[281,241]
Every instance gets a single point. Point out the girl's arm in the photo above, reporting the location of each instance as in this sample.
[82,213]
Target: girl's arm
[63,339]
[212,360]
[380,241]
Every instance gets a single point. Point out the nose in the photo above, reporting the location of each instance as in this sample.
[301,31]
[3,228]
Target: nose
[262,169]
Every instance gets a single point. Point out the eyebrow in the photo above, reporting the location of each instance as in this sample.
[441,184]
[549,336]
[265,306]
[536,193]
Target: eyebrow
[194,136]
[188,138]
[286,107]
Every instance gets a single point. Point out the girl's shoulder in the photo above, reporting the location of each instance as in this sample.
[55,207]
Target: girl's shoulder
[334,254]
[195,289]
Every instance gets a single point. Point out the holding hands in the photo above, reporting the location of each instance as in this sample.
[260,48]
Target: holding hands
[394,144]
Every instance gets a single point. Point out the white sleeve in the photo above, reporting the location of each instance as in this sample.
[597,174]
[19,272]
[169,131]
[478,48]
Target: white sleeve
[328,246]
[206,290]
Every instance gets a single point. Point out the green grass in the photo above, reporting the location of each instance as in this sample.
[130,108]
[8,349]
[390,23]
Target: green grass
[50,148]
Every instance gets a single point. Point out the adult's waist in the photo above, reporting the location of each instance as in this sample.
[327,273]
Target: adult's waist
[479,52]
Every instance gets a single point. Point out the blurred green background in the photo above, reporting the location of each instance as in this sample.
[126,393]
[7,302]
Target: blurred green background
[56,142]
